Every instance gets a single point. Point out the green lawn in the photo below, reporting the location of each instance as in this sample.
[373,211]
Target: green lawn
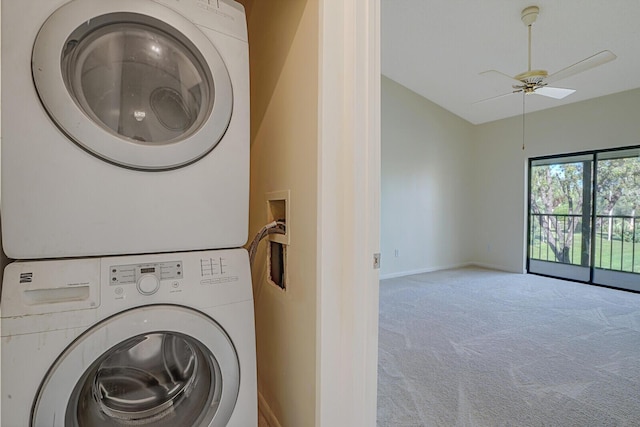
[610,255]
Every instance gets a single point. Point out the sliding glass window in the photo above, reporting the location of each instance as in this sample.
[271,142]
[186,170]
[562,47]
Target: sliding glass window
[584,217]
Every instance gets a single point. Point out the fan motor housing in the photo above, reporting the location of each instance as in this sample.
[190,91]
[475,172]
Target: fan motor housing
[532,76]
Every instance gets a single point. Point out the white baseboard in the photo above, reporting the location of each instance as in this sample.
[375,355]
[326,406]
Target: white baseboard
[446,267]
[266,412]
[422,270]
[496,267]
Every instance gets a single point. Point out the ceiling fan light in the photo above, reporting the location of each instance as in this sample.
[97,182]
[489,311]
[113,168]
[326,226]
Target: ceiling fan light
[554,92]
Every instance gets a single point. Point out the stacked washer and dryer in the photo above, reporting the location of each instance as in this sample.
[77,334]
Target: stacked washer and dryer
[125,187]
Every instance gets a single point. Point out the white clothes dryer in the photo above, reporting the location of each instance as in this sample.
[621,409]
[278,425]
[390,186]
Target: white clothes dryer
[125,127]
[158,340]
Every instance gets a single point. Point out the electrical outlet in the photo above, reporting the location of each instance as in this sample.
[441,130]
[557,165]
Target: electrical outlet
[376,261]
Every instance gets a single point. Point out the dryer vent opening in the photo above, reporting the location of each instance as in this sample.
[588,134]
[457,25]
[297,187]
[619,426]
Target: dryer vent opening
[276,264]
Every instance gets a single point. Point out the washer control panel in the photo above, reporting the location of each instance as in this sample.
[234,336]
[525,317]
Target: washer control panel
[217,269]
[146,276]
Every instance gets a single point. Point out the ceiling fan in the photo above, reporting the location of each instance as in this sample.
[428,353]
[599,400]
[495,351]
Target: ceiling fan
[537,81]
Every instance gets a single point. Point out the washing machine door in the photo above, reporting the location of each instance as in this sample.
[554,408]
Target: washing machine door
[158,365]
[133,82]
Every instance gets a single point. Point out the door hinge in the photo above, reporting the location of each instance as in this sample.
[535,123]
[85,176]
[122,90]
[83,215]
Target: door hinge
[376,260]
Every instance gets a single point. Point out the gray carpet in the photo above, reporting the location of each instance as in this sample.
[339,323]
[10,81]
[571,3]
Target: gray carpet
[475,347]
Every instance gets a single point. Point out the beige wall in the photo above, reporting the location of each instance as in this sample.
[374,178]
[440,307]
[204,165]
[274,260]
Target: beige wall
[283,46]
[426,191]
[3,258]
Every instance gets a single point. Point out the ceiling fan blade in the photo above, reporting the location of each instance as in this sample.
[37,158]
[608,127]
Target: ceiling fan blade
[584,65]
[495,97]
[502,76]
[554,92]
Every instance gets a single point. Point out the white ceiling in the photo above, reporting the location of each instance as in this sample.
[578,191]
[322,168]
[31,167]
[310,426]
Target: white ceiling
[437,48]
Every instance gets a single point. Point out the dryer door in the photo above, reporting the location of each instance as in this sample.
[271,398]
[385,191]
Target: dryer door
[158,365]
[132,82]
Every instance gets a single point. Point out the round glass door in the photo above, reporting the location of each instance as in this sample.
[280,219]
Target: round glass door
[137,82]
[133,82]
[149,379]
[153,366]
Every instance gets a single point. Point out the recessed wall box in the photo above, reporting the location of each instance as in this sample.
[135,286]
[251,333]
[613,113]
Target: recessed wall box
[278,210]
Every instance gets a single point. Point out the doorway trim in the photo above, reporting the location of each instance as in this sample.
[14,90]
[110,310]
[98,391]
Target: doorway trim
[348,212]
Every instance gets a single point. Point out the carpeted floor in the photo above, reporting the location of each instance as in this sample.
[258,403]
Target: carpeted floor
[475,347]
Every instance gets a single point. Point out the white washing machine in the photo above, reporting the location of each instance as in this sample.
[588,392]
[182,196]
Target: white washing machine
[125,127]
[158,340]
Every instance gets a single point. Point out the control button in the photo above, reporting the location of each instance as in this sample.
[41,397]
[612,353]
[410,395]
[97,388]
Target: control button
[175,284]
[119,291]
[148,284]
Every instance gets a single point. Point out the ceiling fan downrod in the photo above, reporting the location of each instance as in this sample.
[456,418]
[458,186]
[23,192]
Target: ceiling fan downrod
[531,79]
[529,16]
